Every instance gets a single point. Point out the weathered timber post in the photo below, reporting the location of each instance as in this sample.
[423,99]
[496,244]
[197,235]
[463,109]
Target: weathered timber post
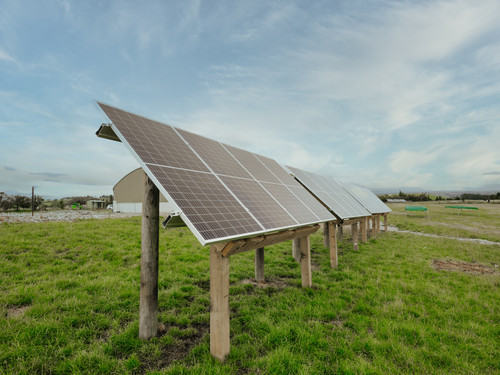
[148,311]
[385,223]
[326,236]
[296,249]
[305,261]
[332,241]
[354,231]
[378,224]
[219,304]
[341,233]
[364,230]
[259,265]
[374,226]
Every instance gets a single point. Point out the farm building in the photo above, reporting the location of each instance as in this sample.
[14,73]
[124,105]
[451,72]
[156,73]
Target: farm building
[128,194]
[96,204]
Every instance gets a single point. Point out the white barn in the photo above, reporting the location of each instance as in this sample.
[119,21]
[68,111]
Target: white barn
[128,194]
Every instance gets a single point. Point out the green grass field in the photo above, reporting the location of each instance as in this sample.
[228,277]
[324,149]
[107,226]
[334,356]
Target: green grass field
[70,301]
[482,223]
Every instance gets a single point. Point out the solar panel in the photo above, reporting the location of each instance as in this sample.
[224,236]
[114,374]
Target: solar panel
[148,139]
[214,154]
[221,192]
[331,193]
[366,197]
[260,203]
[211,208]
[286,190]
[277,170]
[252,165]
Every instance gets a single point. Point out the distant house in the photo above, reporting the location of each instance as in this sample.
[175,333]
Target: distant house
[129,191]
[96,204]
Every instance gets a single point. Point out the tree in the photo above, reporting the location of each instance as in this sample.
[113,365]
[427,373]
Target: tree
[20,201]
[37,202]
[7,203]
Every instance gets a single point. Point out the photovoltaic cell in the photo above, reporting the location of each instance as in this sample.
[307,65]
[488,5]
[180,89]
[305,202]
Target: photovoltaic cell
[211,208]
[262,205]
[214,155]
[366,197]
[252,164]
[277,170]
[332,194]
[319,210]
[291,203]
[154,142]
[223,192]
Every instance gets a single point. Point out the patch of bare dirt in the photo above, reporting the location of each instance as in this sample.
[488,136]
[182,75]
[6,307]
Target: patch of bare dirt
[16,312]
[449,265]
[178,351]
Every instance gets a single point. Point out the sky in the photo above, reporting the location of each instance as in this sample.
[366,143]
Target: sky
[386,94]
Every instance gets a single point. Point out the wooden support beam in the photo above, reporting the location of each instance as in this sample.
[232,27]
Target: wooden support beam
[378,224]
[305,261]
[364,230]
[296,250]
[354,231]
[341,233]
[350,221]
[386,223]
[259,265]
[332,241]
[239,246]
[219,305]
[374,226]
[148,307]
[326,235]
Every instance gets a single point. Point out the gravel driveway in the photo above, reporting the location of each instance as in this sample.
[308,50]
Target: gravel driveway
[62,215]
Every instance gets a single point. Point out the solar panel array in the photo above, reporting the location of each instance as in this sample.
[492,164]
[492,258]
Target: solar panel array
[332,194]
[366,197]
[223,192]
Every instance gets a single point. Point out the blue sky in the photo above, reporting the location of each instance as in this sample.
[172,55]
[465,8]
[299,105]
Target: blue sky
[384,94]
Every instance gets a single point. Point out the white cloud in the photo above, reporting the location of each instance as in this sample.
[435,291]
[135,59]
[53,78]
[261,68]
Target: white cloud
[404,160]
[5,56]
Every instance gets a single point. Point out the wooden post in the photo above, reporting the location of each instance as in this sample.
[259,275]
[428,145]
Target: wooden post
[219,304]
[296,249]
[341,233]
[259,265]
[332,241]
[385,223]
[364,230]
[374,226]
[305,261]
[326,236]
[354,230]
[148,311]
[378,224]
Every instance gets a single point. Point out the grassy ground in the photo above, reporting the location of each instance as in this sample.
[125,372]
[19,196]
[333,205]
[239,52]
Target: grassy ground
[483,223]
[69,299]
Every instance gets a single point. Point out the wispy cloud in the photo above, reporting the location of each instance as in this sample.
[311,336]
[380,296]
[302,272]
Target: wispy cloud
[6,57]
